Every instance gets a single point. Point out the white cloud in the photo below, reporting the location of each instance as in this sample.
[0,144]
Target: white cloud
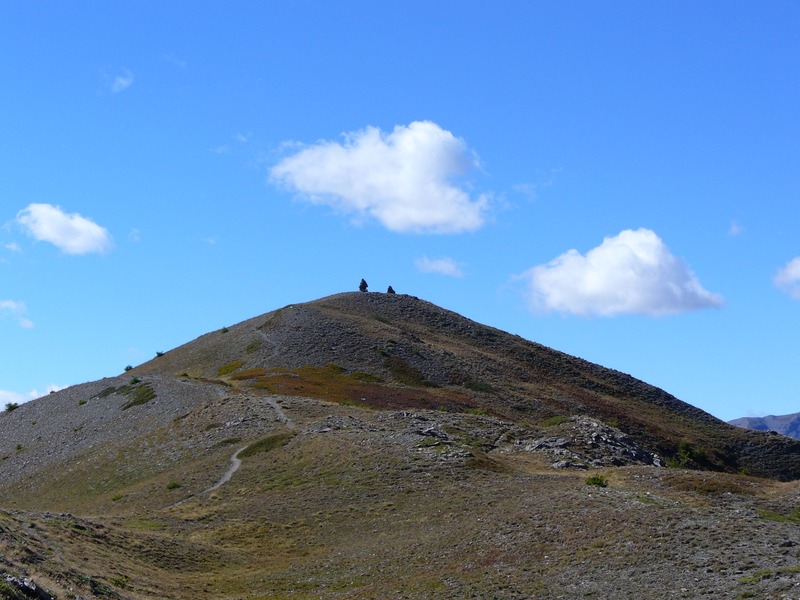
[404,179]
[7,396]
[631,273]
[13,246]
[788,278]
[72,233]
[735,229]
[175,61]
[122,82]
[16,310]
[442,266]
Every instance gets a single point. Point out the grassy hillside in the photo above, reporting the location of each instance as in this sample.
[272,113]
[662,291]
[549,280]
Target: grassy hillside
[378,446]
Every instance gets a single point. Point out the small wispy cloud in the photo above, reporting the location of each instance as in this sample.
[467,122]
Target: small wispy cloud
[13,247]
[788,278]
[630,273]
[440,266]
[405,179]
[175,61]
[11,397]
[224,149]
[17,310]
[72,233]
[531,190]
[735,229]
[243,138]
[122,82]
[134,235]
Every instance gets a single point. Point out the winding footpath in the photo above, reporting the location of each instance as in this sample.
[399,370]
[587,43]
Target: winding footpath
[236,462]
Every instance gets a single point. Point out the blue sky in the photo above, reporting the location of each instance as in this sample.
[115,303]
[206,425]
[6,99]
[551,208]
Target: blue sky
[616,180]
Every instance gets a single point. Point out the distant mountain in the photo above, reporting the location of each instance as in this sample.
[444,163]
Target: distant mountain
[788,425]
[370,445]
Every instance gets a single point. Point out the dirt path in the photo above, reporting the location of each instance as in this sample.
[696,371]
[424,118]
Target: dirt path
[235,460]
[235,464]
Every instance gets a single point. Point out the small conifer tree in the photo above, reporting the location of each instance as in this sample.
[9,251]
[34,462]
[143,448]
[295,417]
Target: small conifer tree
[363,286]
[390,290]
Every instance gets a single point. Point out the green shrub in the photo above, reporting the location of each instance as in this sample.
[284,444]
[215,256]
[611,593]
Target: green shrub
[11,406]
[366,377]
[271,442]
[686,455]
[173,485]
[128,368]
[229,368]
[597,480]
[480,386]
[107,392]
[552,421]
[140,395]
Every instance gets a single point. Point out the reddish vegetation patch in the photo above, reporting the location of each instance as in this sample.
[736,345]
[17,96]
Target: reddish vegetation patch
[331,384]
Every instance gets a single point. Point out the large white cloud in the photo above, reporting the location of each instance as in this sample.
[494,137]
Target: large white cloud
[788,278]
[630,273]
[405,179]
[72,233]
[17,310]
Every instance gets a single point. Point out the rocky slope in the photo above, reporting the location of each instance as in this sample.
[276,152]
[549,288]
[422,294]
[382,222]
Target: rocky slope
[377,446]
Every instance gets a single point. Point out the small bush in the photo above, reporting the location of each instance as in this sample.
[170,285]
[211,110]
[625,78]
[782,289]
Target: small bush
[687,455]
[597,480]
[552,421]
[81,402]
[480,386]
[11,406]
[367,377]
[107,392]
[158,354]
[229,368]
[249,374]
[271,442]
[229,441]
[173,485]
[128,368]
[141,395]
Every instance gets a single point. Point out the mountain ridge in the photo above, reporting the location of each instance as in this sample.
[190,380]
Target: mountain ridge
[788,425]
